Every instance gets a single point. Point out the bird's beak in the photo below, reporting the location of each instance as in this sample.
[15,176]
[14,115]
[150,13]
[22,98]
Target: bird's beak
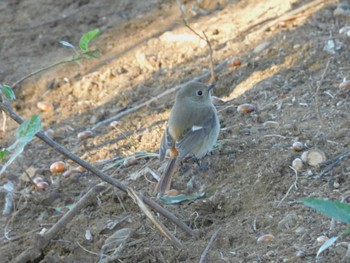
[211,86]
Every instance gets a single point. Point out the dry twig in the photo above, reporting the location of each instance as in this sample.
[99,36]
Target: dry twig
[337,161]
[59,148]
[204,37]
[208,247]
[43,240]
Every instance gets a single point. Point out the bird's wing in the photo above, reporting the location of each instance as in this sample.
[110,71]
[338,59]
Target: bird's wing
[194,137]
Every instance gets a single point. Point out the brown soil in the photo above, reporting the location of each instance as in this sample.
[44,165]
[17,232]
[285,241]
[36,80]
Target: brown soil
[250,187]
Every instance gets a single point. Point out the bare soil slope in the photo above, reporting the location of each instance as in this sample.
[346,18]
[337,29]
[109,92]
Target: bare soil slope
[289,70]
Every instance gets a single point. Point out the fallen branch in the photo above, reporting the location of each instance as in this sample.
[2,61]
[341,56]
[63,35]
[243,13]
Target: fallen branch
[337,161]
[42,240]
[59,148]
[206,75]
[208,247]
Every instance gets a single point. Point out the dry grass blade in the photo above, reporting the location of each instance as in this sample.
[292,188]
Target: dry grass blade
[291,187]
[154,220]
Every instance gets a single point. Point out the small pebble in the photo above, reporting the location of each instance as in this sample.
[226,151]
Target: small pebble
[344,84]
[114,124]
[265,238]
[322,239]
[129,161]
[336,185]
[261,47]
[45,106]
[85,135]
[297,164]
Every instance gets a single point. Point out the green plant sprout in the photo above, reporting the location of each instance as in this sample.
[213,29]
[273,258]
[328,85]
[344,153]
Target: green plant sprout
[333,209]
[7,93]
[27,130]
[79,53]
[24,134]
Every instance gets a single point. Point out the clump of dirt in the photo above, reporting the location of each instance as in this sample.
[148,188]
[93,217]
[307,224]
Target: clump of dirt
[292,59]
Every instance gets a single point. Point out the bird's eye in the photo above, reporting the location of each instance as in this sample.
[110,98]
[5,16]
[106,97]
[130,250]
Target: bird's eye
[199,93]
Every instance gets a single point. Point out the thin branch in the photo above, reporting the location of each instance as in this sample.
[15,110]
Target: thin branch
[64,220]
[59,148]
[41,70]
[78,56]
[43,240]
[211,64]
[208,247]
[334,164]
[86,250]
[204,37]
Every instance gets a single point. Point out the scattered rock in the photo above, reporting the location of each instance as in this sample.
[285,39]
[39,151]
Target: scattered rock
[265,238]
[298,146]
[298,164]
[261,47]
[322,239]
[313,157]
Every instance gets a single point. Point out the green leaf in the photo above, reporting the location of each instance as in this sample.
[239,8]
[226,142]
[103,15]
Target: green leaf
[3,153]
[336,210]
[16,149]
[7,92]
[25,133]
[86,38]
[29,128]
[168,200]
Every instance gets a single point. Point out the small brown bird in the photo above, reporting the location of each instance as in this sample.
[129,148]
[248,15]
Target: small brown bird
[193,129]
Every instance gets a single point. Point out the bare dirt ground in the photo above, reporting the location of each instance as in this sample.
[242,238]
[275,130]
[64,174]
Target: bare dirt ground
[250,189]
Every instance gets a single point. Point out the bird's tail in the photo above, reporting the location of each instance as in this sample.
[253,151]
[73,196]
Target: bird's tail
[165,181]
